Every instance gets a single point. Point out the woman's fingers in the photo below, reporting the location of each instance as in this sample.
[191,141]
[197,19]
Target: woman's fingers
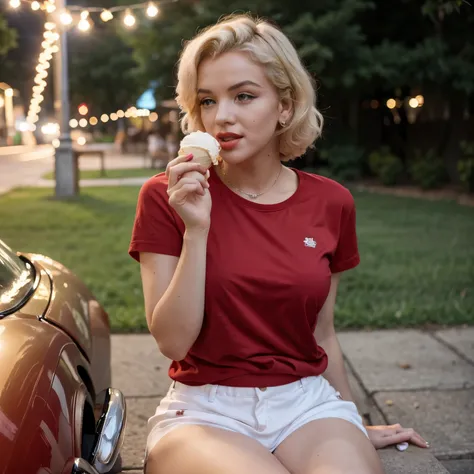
[192,176]
[178,159]
[180,165]
[415,437]
[191,182]
[179,196]
[405,435]
[176,172]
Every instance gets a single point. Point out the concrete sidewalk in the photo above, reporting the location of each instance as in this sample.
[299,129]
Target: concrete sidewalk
[420,379]
[26,167]
[99,182]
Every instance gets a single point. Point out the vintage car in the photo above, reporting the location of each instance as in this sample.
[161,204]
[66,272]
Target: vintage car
[58,412]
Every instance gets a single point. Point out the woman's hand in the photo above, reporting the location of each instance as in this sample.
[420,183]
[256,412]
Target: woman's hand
[382,436]
[188,192]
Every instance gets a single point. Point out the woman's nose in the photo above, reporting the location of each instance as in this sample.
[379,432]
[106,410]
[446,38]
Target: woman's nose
[225,113]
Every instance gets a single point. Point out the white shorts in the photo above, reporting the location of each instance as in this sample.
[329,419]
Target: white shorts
[267,414]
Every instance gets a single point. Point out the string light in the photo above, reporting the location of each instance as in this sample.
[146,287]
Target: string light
[49,48]
[104,118]
[83,109]
[84,23]
[50,7]
[129,20]
[65,18]
[106,16]
[152,10]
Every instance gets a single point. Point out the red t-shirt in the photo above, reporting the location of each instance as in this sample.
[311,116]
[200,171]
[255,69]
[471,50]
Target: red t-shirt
[268,275]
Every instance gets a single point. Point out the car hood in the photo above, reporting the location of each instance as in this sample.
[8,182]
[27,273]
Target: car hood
[69,301]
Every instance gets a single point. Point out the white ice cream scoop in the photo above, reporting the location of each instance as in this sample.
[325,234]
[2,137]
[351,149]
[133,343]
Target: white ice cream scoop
[204,147]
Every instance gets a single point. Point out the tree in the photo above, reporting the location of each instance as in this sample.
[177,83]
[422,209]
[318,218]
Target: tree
[8,41]
[355,49]
[7,37]
[157,44]
[102,71]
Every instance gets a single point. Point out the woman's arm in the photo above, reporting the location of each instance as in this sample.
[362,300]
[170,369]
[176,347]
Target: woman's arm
[325,335]
[174,295]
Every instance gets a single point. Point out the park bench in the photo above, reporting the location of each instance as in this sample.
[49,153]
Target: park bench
[94,149]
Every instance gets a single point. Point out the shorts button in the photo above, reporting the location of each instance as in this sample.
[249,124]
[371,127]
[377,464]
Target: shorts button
[263,389]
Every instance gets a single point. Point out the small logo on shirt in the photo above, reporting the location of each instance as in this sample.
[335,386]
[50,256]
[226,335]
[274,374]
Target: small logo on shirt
[310,242]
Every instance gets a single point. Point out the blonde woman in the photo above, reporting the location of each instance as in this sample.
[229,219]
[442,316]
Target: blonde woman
[240,272]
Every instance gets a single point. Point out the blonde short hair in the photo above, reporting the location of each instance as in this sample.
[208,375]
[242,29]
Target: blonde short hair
[268,46]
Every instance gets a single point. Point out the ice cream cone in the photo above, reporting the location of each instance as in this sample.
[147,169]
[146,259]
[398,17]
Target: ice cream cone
[200,156]
[204,147]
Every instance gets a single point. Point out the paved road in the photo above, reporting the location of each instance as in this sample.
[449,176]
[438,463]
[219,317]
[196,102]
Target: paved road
[24,166]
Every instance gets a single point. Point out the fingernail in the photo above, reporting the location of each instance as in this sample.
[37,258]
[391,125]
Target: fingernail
[427,444]
[189,157]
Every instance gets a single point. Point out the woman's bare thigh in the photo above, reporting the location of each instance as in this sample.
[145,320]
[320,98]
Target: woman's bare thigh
[197,449]
[329,446]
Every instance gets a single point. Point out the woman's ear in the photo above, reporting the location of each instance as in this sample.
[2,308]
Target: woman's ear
[285,110]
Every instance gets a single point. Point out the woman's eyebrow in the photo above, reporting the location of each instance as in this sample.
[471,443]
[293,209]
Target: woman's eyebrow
[231,88]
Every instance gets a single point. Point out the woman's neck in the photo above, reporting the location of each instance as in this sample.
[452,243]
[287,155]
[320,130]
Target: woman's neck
[255,174]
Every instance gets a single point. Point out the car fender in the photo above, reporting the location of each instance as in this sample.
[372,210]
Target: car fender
[42,398]
[74,309]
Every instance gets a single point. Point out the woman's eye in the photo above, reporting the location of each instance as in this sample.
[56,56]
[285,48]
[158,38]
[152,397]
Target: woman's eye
[243,97]
[206,102]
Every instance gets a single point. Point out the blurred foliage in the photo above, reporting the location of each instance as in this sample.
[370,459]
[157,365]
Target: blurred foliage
[102,71]
[351,45]
[8,37]
[344,162]
[466,166]
[386,166]
[428,170]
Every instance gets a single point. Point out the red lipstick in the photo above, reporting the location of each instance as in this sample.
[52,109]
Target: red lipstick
[227,140]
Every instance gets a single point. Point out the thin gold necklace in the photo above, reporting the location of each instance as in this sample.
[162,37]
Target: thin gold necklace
[256,195]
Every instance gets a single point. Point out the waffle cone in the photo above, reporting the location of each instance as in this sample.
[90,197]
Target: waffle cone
[200,155]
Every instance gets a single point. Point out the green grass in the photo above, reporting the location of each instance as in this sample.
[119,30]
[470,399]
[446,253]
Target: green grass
[417,256]
[112,174]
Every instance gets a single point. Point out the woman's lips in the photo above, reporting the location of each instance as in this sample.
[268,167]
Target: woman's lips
[228,145]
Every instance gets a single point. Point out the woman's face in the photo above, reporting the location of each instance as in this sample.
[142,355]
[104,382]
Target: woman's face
[239,106]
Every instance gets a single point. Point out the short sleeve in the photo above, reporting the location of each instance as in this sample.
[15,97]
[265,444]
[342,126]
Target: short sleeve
[156,227]
[346,255]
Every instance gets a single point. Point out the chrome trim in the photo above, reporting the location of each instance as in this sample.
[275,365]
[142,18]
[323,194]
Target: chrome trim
[81,466]
[110,431]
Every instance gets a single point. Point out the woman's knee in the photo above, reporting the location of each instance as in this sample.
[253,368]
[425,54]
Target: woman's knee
[196,449]
[329,445]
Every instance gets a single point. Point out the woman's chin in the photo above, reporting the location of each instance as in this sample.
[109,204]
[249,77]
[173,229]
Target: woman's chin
[238,155]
